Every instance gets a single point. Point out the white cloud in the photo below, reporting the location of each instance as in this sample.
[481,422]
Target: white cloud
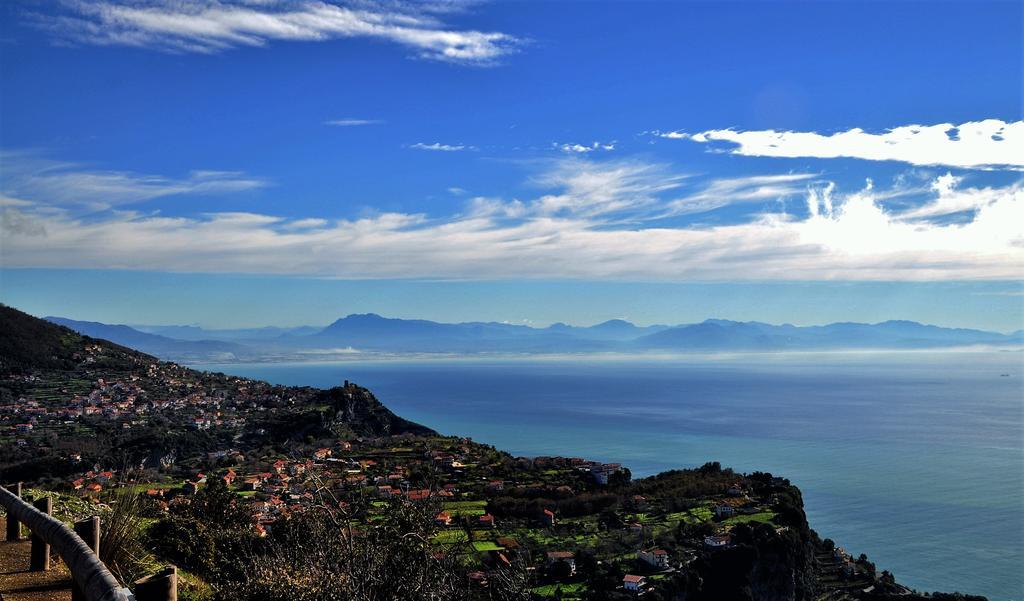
[587,188]
[209,27]
[30,177]
[990,143]
[352,122]
[990,245]
[723,192]
[575,230]
[583,148]
[950,200]
[437,146]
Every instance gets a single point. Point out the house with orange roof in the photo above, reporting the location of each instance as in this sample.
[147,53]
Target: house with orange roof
[633,583]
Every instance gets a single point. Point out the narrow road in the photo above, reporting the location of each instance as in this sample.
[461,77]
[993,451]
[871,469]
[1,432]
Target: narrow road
[18,584]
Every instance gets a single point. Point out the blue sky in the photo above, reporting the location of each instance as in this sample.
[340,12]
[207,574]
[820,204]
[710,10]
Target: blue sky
[291,161]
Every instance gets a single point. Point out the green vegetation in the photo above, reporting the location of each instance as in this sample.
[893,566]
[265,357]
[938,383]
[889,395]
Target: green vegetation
[764,517]
[465,508]
[567,590]
[450,537]
[486,545]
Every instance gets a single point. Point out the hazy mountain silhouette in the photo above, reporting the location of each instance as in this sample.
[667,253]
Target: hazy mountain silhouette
[373,333]
[153,344]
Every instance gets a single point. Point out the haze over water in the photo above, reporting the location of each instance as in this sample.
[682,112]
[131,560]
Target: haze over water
[912,458]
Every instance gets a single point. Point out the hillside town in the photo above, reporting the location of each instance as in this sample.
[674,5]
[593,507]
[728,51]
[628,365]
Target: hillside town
[165,392]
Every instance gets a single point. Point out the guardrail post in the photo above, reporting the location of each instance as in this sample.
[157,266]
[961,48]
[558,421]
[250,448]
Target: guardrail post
[85,567]
[162,586]
[13,525]
[40,555]
[89,530]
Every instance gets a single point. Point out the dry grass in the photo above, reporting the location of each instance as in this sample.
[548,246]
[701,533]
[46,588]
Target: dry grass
[123,542]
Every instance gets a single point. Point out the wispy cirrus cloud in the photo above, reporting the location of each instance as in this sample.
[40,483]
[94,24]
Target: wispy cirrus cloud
[991,143]
[215,26]
[574,229]
[30,178]
[726,191]
[439,147]
[353,122]
[587,188]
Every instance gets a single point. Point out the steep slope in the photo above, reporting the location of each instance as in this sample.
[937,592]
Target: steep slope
[27,342]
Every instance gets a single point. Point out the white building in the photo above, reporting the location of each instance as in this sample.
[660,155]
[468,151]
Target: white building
[657,558]
[632,582]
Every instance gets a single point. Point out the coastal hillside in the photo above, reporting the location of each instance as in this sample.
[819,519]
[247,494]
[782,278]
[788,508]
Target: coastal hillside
[265,492]
[113,400]
[29,343]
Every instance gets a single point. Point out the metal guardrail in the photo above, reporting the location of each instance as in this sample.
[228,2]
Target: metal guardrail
[92,577]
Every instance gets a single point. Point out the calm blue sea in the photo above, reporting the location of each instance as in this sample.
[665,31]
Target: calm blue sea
[913,458]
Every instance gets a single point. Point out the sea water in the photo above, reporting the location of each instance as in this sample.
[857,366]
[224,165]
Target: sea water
[912,458]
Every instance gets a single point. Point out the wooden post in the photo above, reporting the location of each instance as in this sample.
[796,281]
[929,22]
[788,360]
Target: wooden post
[162,586]
[87,569]
[13,525]
[89,530]
[40,554]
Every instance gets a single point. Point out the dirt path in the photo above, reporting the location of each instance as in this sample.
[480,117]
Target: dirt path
[18,584]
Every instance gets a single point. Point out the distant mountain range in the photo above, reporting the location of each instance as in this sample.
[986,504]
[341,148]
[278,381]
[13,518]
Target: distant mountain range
[375,334]
[197,333]
[154,344]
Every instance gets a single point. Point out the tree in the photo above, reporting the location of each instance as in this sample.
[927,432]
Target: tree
[209,534]
[711,467]
[559,571]
[325,554]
